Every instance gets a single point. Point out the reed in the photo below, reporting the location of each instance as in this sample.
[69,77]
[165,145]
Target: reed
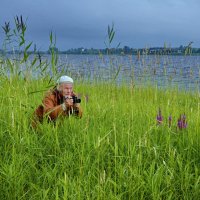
[116,151]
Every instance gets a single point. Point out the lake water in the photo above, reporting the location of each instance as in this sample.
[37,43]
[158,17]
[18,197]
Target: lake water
[164,71]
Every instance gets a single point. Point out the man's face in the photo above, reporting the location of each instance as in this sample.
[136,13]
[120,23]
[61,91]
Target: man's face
[66,89]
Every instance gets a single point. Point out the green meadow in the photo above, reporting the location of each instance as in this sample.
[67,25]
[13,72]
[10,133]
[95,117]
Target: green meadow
[117,150]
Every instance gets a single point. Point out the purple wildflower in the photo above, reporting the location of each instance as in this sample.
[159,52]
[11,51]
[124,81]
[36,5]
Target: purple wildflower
[182,123]
[159,117]
[170,120]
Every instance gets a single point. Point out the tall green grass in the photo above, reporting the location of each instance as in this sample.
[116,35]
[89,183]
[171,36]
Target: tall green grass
[116,151]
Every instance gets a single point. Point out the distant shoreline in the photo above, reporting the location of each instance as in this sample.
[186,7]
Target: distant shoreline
[99,53]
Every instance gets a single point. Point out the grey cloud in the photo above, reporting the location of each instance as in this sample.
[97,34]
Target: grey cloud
[84,22]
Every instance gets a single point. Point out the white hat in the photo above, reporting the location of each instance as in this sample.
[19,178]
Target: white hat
[65,79]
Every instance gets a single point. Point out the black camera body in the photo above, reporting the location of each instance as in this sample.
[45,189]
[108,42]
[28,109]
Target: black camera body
[76,99]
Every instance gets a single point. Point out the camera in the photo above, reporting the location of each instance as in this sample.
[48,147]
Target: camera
[76,99]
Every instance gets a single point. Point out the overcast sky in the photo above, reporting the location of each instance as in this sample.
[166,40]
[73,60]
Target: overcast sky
[83,23]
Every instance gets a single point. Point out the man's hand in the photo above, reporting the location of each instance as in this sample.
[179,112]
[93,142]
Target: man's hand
[68,102]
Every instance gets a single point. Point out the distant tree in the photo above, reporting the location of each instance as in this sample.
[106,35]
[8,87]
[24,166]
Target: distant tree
[127,50]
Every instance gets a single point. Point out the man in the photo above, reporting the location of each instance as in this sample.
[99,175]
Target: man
[59,101]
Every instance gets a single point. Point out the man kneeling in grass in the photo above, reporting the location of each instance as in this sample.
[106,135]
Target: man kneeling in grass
[59,101]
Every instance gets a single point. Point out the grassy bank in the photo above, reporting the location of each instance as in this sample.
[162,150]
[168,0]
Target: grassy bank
[116,151]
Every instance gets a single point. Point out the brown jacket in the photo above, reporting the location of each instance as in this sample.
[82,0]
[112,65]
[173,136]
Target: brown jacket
[52,109]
